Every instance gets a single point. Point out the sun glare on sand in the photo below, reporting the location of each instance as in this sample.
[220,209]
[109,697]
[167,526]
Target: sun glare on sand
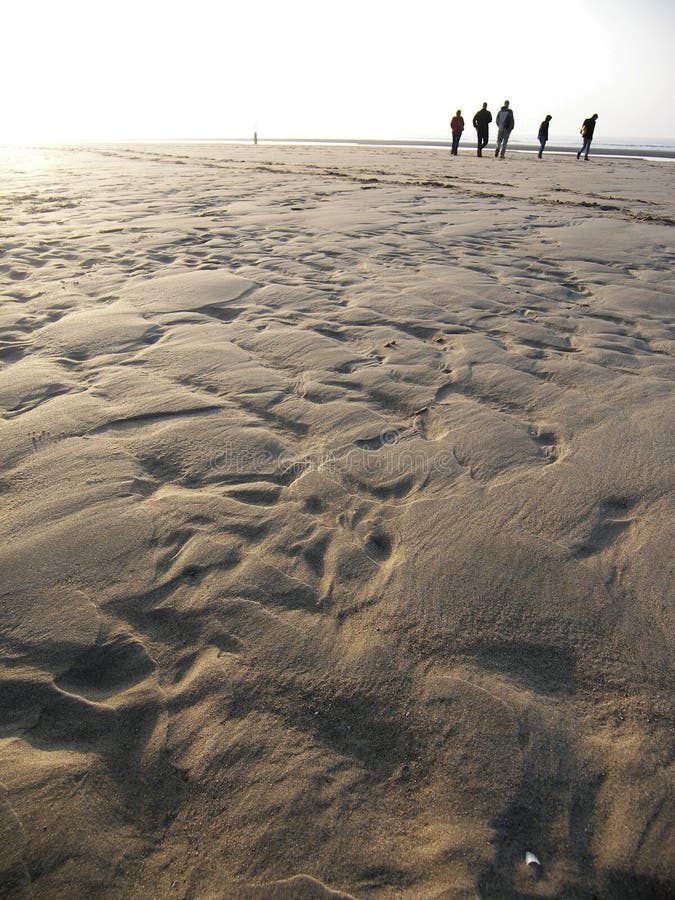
[81,71]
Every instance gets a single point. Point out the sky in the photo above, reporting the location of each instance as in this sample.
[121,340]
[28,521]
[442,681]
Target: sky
[91,70]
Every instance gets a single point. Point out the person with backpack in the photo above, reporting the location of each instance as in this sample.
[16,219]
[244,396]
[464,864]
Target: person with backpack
[505,123]
[481,122]
[542,136]
[587,131]
[457,127]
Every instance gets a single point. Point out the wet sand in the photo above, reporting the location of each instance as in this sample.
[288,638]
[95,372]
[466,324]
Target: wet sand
[336,530]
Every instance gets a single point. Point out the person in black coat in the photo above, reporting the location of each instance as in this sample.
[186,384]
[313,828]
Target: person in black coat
[587,131]
[481,122]
[542,136]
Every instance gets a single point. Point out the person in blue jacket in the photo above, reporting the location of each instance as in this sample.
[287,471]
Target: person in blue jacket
[505,123]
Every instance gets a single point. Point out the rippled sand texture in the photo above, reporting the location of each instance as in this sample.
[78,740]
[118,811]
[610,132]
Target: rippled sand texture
[336,538]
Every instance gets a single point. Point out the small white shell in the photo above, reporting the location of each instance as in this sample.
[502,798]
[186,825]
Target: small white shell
[531,859]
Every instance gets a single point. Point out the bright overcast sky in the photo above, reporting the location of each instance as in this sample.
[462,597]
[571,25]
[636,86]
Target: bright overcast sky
[93,70]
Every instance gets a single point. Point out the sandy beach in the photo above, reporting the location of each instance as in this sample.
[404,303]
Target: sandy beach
[337,523]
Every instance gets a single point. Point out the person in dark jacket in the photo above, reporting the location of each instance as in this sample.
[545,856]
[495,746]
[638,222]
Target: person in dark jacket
[542,136]
[457,127]
[481,122]
[587,131]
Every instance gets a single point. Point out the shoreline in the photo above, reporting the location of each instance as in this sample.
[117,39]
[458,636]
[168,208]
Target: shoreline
[560,149]
[605,151]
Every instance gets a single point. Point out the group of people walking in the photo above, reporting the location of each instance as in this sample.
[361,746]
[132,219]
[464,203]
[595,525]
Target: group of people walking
[505,124]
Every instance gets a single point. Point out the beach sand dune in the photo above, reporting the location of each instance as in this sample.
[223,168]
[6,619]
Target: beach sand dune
[336,532]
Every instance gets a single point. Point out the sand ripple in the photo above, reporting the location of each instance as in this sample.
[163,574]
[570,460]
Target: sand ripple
[336,524]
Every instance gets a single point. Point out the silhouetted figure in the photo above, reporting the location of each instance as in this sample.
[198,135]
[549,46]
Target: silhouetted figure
[457,127]
[481,122]
[587,130]
[542,136]
[505,123]
[255,137]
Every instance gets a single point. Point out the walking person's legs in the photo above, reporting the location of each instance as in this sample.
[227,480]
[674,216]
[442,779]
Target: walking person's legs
[585,147]
[505,141]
